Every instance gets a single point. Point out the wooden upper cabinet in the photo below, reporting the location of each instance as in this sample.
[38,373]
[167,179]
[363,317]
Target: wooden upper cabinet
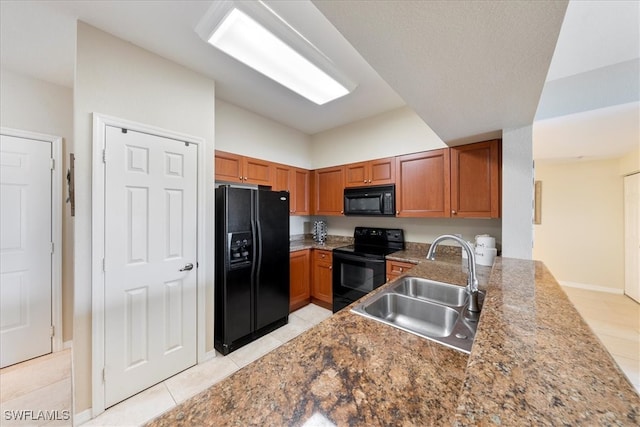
[422,184]
[228,167]
[475,180]
[328,188]
[373,172]
[236,168]
[257,171]
[282,180]
[301,195]
[297,182]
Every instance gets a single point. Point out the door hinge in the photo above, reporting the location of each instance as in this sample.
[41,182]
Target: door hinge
[104,268]
[104,375]
[104,156]
[53,331]
[53,164]
[53,249]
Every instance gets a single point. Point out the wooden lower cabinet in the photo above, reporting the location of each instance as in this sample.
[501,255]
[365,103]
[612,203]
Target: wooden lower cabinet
[397,268]
[321,276]
[300,279]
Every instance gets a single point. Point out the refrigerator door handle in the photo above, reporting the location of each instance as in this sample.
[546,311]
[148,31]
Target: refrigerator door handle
[259,254]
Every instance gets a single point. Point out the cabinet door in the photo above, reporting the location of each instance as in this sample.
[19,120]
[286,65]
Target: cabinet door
[300,271]
[422,184]
[282,178]
[300,195]
[382,171]
[257,171]
[329,191]
[228,167]
[397,269]
[356,174]
[475,180]
[322,289]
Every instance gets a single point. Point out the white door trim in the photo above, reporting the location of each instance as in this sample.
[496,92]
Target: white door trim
[100,122]
[56,226]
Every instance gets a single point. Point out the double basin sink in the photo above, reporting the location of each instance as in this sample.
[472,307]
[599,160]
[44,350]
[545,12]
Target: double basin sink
[427,308]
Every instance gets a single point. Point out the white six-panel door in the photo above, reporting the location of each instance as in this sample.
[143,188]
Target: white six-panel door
[25,249]
[150,237]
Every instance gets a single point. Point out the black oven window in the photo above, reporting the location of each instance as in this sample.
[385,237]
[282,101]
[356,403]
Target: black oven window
[359,277]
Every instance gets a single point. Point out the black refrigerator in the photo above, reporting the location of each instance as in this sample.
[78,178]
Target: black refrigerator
[252,265]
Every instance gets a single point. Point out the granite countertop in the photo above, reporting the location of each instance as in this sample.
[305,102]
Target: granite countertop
[534,361]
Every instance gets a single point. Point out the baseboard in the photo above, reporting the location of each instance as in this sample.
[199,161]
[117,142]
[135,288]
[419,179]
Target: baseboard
[82,417]
[208,356]
[591,287]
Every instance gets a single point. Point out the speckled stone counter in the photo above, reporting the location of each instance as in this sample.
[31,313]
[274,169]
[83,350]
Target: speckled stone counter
[534,362]
[308,243]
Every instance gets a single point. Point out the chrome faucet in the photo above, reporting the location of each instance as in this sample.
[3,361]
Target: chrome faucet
[472,280]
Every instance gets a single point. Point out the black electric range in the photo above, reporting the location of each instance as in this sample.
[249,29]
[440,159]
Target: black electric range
[360,268]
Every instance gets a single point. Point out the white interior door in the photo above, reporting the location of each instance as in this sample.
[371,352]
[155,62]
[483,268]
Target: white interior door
[150,237]
[632,236]
[25,249]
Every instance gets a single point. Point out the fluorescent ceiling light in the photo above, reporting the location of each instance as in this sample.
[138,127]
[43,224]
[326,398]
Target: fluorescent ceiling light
[246,40]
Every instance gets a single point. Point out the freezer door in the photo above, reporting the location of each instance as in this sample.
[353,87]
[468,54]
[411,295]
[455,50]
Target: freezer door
[272,272]
[233,309]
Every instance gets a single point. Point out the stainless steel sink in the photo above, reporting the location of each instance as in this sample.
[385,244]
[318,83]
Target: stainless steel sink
[433,310]
[439,292]
[421,317]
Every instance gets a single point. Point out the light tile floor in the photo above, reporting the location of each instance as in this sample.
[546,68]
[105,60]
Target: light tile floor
[154,401]
[45,383]
[615,319]
[37,392]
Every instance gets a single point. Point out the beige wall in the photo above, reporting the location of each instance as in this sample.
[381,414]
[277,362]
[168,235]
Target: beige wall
[116,78]
[38,106]
[243,132]
[393,133]
[581,235]
[630,163]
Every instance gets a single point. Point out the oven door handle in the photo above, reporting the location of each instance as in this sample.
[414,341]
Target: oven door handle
[340,256]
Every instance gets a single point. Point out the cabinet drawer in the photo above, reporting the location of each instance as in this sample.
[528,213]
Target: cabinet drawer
[398,267]
[322,255]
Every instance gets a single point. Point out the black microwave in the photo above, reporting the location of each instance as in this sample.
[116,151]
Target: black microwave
[377,200]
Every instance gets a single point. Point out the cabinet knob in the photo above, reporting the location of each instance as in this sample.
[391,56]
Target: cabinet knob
[365,181]
[453,212]
[341,212]
[401,270]
[397,212]
[330,267]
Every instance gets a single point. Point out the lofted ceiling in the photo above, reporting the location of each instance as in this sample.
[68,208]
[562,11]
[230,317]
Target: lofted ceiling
[467,68]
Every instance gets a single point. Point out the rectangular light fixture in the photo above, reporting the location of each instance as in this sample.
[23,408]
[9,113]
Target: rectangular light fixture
[243,38]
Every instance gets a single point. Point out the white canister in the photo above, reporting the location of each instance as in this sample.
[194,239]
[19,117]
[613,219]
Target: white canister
[485,241]
[485,256]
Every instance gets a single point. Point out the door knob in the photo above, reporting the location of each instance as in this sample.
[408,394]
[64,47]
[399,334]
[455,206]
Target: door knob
[187,267]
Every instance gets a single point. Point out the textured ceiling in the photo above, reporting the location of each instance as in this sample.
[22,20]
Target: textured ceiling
[466,68]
